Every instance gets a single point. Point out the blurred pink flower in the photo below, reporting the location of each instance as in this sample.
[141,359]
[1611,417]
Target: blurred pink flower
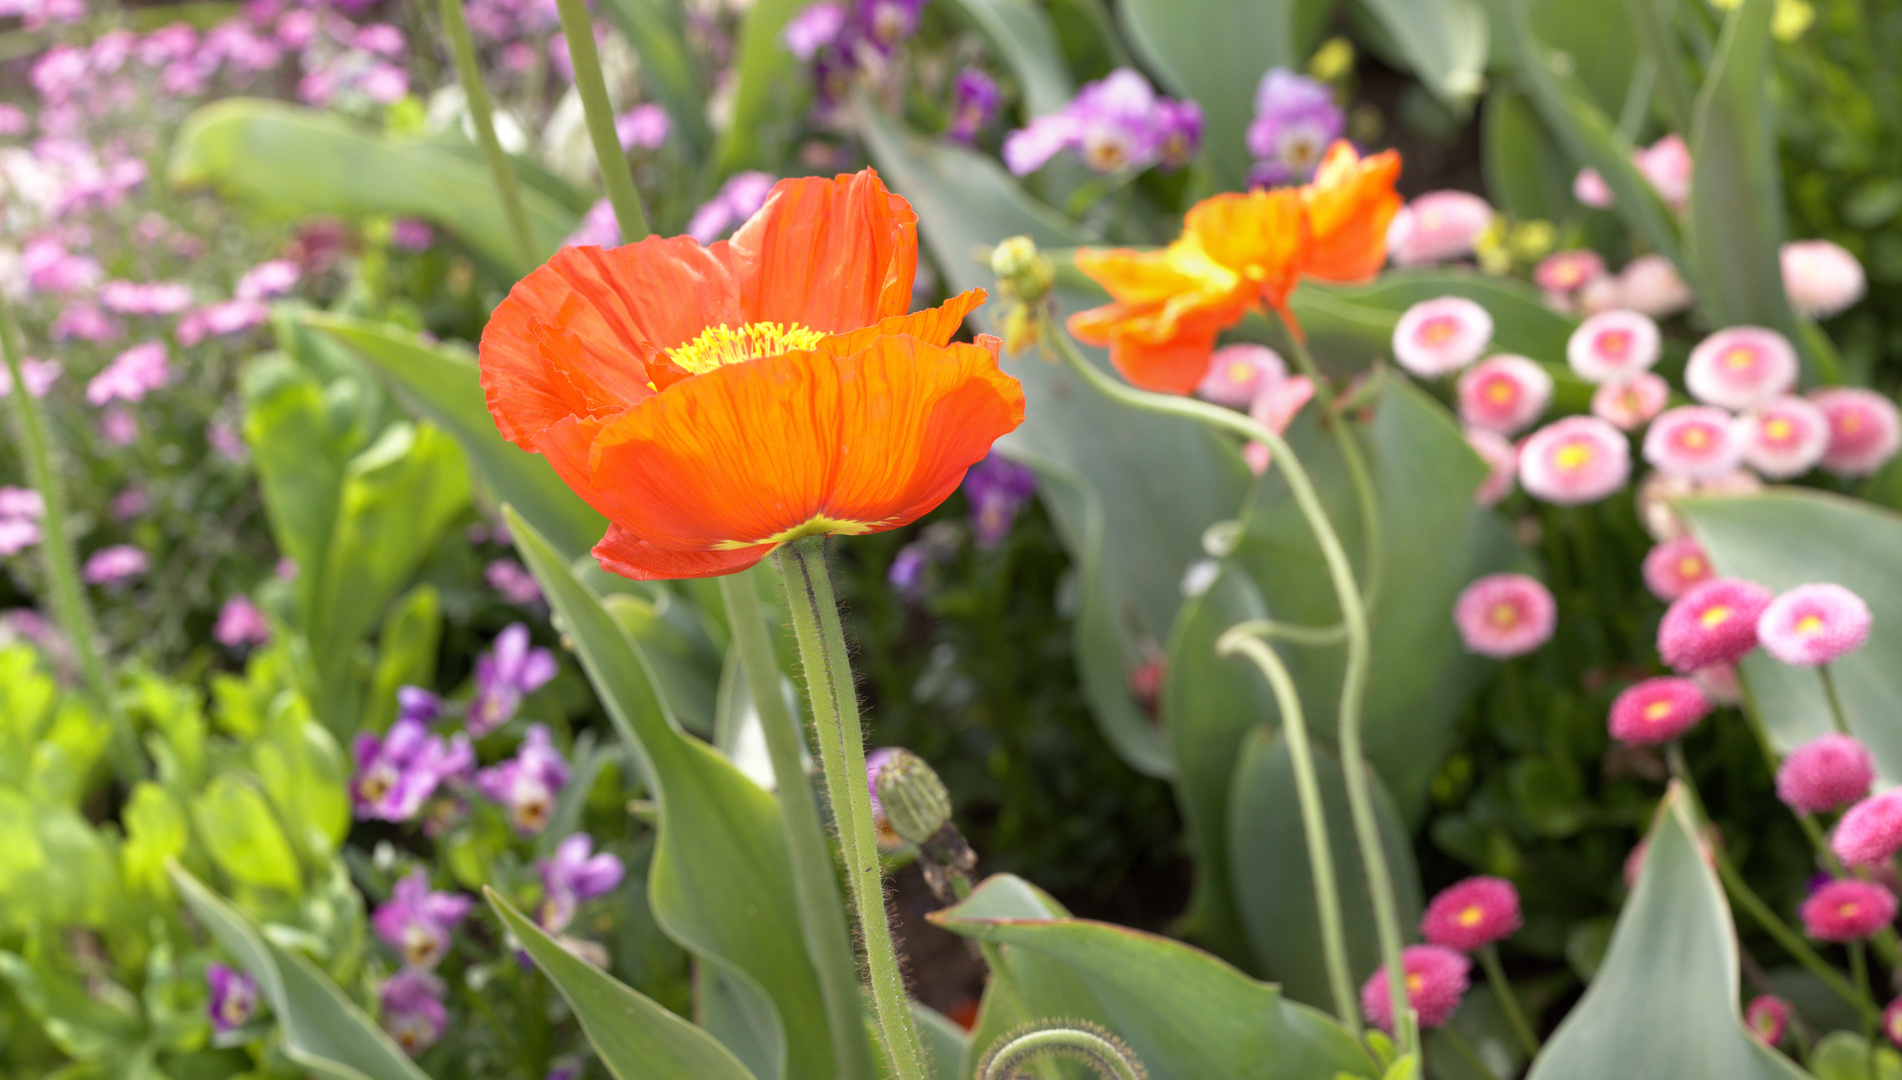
[1667,165]
[411,234]
[1657,710]
[1651,284]
[1275,408]
[1237,373]
[645,126]
[1436,979]
[1786,437]
[83,321]
[109,566]
[1437,227]
[1675,567]
[1821,278]
[1505,615]
[145,298]
[1864,429]
[1827,773]
[241,624]
[131,375]
[1503,393]
[1695,441]
[738,199]
[1590,188]
[1613,345]
[1440,336]
[1713,623]
[1578,459]
[1568,271]
[217,320]
[1502,463]
[1814,624]
[1847,910]
[1629,403]
[1767,1017]
[1472,914]
[1740,367]
[267,279]
[513,581]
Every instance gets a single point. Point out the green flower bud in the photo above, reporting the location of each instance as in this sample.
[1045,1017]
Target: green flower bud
[1023,273]
[915,802]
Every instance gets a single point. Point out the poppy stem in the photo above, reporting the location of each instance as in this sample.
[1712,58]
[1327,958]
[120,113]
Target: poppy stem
[616,176]
[56,550]
[482,114]
[835,718]
[1327,896]
[815,884]
[1354,683]
[1367,500]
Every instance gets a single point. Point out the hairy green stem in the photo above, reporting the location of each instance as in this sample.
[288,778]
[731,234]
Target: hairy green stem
[1353,617]
[835,718]
[56,551]
[1836,710]
[1327,895]
[1105,1056]
[1508,1001]
[815,886]
[482,114]
[616,176]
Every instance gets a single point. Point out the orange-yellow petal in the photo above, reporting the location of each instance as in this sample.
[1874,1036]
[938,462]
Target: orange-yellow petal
[830,255]
[1350,204]
[621,552]
[935,326]
[1136,277]
[1171,362]
[1260,236]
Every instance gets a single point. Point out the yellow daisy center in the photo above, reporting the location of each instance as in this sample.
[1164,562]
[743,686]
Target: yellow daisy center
[1615,343]
[720,345]
[1573,456]
[1739,358]
[1777,428]
[1657,710]
[1696,438]
[1713,615]
[1471,916]
[1503,615]
[1809,624]
[1501,392]
[1439,331]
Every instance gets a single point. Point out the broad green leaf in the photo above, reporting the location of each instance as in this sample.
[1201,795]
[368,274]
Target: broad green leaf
[1130,492]
[657,30]
[297,161]
[405,653]
[634,1036]
[721,883]
[945,1042]
[323,1030]
[1445,42]
[1273,876]
[90,1027]
[441,383]
[243,837]
[156,829]
[769,93]
[1790,536]
[1846,1055]
[1187,1015]
[1652,24]
[1664,1002]
[1527,175]
[299,456]
[1021,31]
[304,772]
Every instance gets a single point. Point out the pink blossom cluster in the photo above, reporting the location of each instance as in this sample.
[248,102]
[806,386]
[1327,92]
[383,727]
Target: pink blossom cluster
[1255,378]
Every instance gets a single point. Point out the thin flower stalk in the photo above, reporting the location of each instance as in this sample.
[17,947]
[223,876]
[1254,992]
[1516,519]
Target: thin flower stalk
[1366,498]
[616,176]
[482,114]
[1508,1001]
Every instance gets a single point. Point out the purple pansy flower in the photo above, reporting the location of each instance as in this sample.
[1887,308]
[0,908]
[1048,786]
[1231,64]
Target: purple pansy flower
[884,23]
[1116,123]
[1295,120]
[526,784]
[417,705]
[416,922]
[997,488]
[413,1011]
[974,101]
[234,998]
[504,675]
[398,772]
[574,875]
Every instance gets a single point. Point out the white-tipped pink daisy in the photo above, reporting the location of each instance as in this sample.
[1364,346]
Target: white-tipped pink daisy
[1505,615]
[1503,393]
[1613,345]
[1821,278]
[1864,429]
[1813,624]
[1629,404]
[1579,459]
[1502,462]
[1568,271]
[1785,438]
[1237,373]
[1440,336]
[1437,227]
[1651,284]
[1740,367]
[1694,441]
[1675,567]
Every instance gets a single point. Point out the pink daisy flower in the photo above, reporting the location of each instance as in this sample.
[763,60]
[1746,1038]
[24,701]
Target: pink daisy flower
[1590,188]
[1237,373]
[1870,831]
[1630,403]
[1472,914]
[1503,393]
[1714,623]
[1821,278]
[1864,429]
[1667,165]
[1847,910]
[1695,441]
[1567,271]
[1440,336]
[1437,227]
[1505,615]
[1813,624]
[1651,285]
[1601,294]
[1657,710]
[1613,345]
[1767,1017]
[1579,459]
[1892,1021]
[1674,567]
[1826,773]
[1785,437]
[1502,461]
[1275,408]
[1437,978]
[1740,367]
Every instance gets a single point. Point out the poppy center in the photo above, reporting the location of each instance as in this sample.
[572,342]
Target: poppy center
[718,346]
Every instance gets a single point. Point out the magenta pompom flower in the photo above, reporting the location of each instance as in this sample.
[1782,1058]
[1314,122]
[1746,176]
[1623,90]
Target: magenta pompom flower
[1847,910]
[1657,710]
[1440,336]
[1437,227]
[1505,615]
[1613,345]
[1813,624]
[1502,463]
[1870,831]
[1740,367]
[1695,441]
[1503,393]
[1675,567]
[1826,773]
[1785,437]
[1821,278]
[1865,429]
[1437,978]
[1767,1017]
[1472,914]
[1714,623]
[1629,404]
[1238,373]
[1579,459]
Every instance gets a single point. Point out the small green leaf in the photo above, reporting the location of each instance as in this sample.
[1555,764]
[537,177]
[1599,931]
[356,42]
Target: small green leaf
[243,837]
[1445,41]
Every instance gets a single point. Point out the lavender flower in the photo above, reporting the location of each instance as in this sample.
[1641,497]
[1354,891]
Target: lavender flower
[416,922]
[415,704]
[234,998]
[112,565]
[240,623]
[268,279]
[740,198]
[145,298]
[504,675]
[1116,123]
[20,510]
[598,228]
[412,234]
[645,126]
[974,101]
[83,321]
[911,569]
[815,27]
[513,581]
[526,784]
[39,376]
[220,319]
[1178,131]
[413,1010]
[131,375]
[572,876]
[1295,120]
[996,488]
[398,772]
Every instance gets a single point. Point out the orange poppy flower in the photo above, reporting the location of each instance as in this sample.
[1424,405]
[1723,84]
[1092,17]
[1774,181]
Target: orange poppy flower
[1237,251]
[715,402]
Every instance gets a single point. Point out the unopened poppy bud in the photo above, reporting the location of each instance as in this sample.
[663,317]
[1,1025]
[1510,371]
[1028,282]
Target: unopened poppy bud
[915,801]
[1022,271]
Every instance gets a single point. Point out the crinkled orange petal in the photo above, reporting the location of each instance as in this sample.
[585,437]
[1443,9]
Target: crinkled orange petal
[831,255]
[593,307]
[1166,364]
[621,552]
[1098,325]
[1260,235]
[750,451]
[1350,204]
[1135,277]
[935,326]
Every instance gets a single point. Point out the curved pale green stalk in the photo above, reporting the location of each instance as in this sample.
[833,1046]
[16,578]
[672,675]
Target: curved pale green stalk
[1327,894]
[1294,632]
[1106,1056]
[1508,1001]
[1836,710]
[835,718]
[816,889]
[482,114]
[1362,481]
[1353,617]
[593,88]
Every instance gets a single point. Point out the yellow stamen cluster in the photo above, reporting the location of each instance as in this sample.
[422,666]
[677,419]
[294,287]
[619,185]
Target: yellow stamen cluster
[720,345]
